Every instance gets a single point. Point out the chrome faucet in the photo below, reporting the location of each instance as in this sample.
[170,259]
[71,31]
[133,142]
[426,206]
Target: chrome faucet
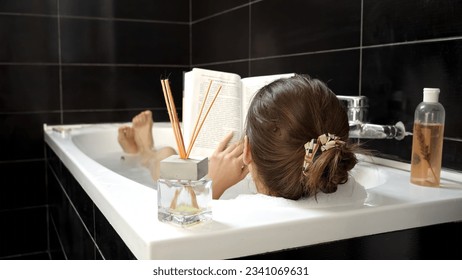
[357,109]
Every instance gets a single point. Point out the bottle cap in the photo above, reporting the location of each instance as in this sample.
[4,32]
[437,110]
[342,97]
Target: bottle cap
[431,95]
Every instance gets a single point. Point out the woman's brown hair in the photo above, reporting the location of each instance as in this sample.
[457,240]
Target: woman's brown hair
[282,117]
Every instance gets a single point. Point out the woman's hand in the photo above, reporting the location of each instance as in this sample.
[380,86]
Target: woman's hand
[226,167]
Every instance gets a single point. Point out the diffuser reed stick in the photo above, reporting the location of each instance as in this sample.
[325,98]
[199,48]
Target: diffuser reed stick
[177,122]
[173,118]
[198,128]
[184,154]
[200,113]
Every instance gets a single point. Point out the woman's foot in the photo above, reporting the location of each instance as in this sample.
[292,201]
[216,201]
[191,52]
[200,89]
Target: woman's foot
[142,125]
[126,140]
[138,140]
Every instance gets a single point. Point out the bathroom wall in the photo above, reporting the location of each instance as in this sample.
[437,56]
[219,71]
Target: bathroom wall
[386,50]
[74,61]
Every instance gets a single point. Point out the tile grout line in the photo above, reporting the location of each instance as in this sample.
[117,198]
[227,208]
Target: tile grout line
[60,70]
[190,35]
[361,49]
[96,248]
[93,18]
[47,198]
[59,238]
[96,64]
[249,67]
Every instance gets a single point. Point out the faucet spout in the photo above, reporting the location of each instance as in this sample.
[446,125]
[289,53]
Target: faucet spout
[357,109]
[376,131]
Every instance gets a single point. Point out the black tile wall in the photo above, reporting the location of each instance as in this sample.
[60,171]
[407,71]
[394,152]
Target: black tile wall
[32,256]
[81,201]
[28,39]
[22,184]
[24,232]
[221,38]
[409,244]
[72,61]
[115,41]
[21,85]
[56,251]
[172,10]
[240,68]
[403,21]
[111,245]
[386,50]
[117,87]
[340,70]
[286,27]
[48,7]
[22,134]
[75,238]
[205,8]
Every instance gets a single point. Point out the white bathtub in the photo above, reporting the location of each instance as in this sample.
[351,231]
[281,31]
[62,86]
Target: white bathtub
[377,199]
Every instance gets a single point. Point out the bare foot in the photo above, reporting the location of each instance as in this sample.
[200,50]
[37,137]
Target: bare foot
[126,140]
[138,139]
[142,125]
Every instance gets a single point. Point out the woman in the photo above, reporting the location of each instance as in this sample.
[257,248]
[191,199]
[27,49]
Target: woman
[295,144]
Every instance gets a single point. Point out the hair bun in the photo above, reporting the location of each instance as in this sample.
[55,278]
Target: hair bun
[330,169]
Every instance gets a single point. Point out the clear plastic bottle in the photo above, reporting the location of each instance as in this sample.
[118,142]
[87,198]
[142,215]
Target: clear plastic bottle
[427,140]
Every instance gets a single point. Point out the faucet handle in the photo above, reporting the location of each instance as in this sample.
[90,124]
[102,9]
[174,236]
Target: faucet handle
[354,101]
[356,107]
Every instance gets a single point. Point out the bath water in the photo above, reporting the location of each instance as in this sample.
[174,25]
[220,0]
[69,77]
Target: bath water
[128,166]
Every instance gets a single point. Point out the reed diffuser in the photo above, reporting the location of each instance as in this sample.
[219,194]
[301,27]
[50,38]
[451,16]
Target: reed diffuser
[184,194]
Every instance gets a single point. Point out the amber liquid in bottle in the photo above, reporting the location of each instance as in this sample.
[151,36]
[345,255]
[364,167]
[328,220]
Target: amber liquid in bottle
[427,147]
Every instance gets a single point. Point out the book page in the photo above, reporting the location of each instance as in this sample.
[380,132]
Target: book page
[224,116]
[251,85]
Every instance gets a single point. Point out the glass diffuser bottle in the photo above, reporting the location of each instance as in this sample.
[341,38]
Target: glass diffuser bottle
[427,141]
[184,194]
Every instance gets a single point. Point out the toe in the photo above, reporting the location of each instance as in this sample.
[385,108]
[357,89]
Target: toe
[123,131]
[129,132]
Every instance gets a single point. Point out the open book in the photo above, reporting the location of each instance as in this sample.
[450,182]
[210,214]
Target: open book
[229,110]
